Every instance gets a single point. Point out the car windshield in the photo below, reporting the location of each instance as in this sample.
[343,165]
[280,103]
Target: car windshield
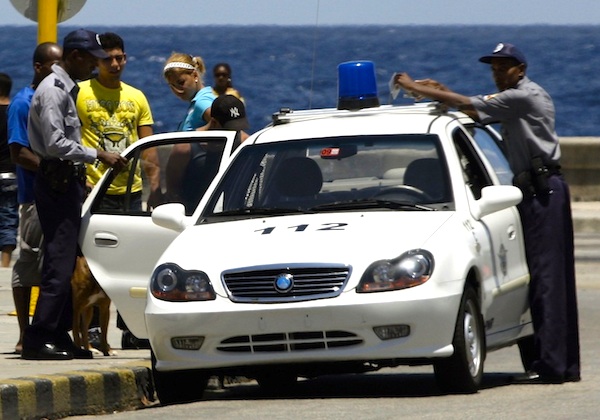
[394,172]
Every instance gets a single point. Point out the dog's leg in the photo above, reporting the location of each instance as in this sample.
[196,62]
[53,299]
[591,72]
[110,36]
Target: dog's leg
[78,287]
[77,326]
[87,314]
[104,308]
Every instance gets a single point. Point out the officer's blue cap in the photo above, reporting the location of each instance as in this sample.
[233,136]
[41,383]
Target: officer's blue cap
[85,40]
[503,50]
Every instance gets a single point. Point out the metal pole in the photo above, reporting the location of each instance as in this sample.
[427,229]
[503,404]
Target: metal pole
[47,21]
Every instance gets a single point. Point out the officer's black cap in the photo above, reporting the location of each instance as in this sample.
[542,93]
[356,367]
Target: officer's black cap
[85,40]
[503,50]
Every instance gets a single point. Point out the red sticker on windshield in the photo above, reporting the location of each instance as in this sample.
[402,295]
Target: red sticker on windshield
[330,152]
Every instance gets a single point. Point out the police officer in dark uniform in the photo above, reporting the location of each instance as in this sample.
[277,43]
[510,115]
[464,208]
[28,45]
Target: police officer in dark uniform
[526,113]
[55,136]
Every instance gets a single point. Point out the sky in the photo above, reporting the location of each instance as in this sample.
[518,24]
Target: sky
[321,12]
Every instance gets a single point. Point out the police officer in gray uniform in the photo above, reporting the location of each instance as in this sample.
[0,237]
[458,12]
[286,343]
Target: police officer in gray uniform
[54,134]
[526,114]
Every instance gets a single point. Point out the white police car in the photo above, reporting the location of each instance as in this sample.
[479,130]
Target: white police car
[334,240]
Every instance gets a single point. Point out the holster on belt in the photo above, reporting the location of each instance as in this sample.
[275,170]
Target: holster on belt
[60,173]
[524,183]
[535,181]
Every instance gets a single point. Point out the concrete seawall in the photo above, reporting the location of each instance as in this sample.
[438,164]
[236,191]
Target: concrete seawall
[581,167]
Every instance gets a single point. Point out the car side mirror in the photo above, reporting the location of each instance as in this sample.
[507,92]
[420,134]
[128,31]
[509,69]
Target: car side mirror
[170,216]
[495,198]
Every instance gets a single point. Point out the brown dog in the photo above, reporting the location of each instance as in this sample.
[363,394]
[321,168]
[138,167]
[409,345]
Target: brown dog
[87,293]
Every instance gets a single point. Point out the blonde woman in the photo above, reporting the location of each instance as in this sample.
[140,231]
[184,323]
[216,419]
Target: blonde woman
[184,75]
[190,167]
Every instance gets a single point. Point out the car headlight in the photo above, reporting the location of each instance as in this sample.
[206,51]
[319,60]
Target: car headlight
[408,270]
[172,283]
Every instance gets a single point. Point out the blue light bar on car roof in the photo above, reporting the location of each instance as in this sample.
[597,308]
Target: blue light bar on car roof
[357,85]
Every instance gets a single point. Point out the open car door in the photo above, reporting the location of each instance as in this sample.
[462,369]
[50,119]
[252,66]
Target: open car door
[118,238]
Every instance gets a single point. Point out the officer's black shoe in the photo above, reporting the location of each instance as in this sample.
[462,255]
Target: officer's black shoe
[78,353]
[573,378]
[532,377]
[47,351]
[526,377]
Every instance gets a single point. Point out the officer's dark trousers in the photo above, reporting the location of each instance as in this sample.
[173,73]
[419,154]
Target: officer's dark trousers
[60,218]
[548,234]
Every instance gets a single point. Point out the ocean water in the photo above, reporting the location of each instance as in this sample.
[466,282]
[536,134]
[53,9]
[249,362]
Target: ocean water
[296,67]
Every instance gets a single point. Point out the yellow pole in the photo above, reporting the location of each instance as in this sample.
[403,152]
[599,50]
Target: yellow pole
[47,21]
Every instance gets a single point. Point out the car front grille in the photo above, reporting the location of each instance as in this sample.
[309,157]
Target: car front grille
[289,342]
[260,286]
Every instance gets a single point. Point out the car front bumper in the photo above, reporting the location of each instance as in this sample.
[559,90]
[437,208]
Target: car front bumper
[328,330]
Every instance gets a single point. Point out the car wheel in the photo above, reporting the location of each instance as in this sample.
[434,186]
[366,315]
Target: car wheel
[276,383]
[463,371]
[181,386]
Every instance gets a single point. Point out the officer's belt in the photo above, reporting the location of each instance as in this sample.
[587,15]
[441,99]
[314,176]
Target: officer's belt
[62,167]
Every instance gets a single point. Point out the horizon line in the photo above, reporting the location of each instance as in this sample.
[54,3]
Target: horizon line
[245,25]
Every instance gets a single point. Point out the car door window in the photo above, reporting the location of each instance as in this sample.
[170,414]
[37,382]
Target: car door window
[182,171]
[121,243]
[474,173]
[491,146]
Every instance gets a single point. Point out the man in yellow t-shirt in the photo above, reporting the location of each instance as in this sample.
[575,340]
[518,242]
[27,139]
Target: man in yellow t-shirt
[113,116]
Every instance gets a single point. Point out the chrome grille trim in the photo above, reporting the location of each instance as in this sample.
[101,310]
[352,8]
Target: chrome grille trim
[258,285]
[289,342]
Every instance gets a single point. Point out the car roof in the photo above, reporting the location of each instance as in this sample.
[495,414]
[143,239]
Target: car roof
[331,122]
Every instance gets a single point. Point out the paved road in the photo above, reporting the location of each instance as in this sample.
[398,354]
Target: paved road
[410,393]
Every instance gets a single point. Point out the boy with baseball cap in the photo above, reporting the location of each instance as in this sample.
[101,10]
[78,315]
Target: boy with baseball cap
[229,113]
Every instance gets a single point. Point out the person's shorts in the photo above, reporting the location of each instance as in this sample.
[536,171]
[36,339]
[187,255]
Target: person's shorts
[9,212]
[27,270]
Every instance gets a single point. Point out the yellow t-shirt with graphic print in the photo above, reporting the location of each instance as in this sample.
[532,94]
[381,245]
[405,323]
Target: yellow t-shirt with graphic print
[109,121]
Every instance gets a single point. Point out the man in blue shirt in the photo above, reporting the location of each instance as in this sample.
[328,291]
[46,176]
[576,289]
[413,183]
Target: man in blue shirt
[9,208]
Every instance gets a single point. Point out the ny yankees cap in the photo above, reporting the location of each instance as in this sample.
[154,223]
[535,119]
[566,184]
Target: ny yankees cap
[230,112]
[84,40]
[504,50]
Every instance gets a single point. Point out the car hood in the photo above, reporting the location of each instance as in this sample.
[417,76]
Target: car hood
[340,238]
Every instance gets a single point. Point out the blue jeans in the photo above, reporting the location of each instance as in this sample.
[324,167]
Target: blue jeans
[9,212]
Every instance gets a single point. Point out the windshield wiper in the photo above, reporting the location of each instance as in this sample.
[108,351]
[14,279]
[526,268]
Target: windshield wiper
[370,203]
[260,211]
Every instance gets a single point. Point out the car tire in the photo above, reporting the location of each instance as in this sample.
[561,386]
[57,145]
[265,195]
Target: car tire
[180,386]
[463,371]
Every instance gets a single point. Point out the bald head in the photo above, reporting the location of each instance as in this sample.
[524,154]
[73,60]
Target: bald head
[47,51]
[44,55]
